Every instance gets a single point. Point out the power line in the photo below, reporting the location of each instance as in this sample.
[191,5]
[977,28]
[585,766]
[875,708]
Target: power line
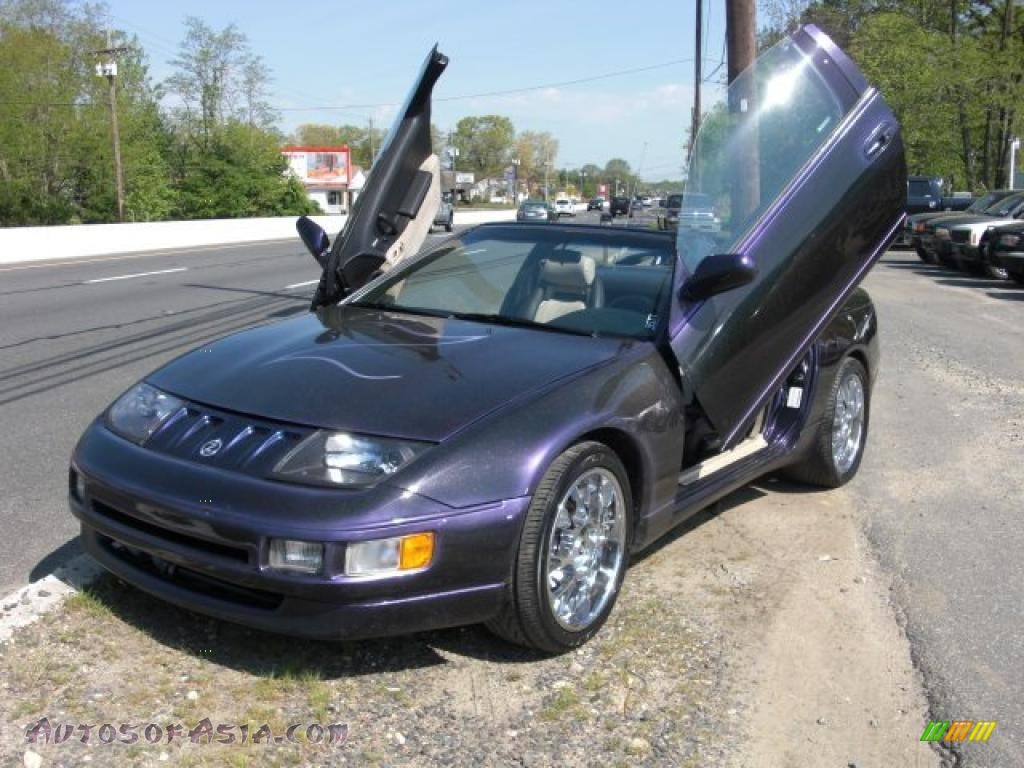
[507,91]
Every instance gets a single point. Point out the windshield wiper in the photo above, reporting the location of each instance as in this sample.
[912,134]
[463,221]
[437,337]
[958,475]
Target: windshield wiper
[516,322]
[398,308]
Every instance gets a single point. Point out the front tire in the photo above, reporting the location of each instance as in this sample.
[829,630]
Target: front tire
[573,553]
[838,447]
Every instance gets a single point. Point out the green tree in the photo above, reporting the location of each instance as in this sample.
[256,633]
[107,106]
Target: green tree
[484,144]
[535,150]
[55,145]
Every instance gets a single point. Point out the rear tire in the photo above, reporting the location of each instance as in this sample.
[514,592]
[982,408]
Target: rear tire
[530,615]
[838,447]
[450,225]
[1017,277]
[923,255]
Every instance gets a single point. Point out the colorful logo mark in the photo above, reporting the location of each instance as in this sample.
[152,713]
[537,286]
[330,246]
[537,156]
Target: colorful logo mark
[958,730]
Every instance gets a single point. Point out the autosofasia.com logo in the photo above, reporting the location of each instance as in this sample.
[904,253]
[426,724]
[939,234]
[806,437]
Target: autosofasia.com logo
[958,730]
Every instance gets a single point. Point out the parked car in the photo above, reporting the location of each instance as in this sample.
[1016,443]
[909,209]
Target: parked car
[564,207]
[596,204]
[445,216]
[935,237]
[621,206]
[965,235]
[1006,249]
[926,193]
[673,203]
[487,430]
[697,212]
[916,225]
[646,201]
[536,210]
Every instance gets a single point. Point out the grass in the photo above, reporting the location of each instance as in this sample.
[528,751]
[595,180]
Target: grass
[565,702]
[88,602]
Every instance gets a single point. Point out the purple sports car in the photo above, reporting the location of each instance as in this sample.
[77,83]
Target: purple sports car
[486,430]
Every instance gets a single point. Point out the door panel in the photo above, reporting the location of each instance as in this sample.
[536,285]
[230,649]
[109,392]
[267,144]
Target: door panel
[805,164]
[396,207]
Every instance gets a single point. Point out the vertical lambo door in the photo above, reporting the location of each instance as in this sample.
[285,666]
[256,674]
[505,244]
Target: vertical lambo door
[804,164]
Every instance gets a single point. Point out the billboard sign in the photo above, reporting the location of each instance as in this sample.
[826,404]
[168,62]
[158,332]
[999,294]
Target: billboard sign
[320,166]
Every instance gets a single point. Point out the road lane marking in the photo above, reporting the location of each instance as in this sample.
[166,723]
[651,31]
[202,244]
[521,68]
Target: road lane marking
[302,285]
[143,255]
[136,274]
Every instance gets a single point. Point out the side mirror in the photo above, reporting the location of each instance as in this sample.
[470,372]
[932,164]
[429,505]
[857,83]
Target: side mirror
[315,239]
[718,273]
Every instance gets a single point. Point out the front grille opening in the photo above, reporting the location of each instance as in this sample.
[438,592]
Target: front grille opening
[225,551]
[193,581]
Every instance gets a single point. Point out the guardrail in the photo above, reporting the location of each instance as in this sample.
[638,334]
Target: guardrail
[25,244]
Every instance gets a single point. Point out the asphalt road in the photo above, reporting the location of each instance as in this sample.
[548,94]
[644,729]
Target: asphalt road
[942,488]
[940,485]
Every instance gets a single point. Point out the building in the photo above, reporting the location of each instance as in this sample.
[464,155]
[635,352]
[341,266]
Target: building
[327,174]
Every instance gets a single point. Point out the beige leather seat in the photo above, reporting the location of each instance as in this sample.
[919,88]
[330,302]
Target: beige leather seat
[565,285]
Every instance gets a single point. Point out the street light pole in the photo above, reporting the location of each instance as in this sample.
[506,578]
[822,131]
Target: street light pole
[1014,146]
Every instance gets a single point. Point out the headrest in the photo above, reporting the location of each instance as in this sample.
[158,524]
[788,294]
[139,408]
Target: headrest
[569,273]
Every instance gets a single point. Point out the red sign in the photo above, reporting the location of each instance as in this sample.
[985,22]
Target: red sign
[320,166]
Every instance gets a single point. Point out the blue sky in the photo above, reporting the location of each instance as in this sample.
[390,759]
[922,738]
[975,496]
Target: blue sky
[347,53]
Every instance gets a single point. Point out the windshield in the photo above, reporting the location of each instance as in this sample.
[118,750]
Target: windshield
[1008,206]
[696,200]
[755,138]
[606,282]
[985,201]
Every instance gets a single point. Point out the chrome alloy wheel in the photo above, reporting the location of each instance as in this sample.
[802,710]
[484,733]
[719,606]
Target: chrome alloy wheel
[586,550]
[848,422]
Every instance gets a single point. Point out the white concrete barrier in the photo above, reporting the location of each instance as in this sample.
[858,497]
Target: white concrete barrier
[22,244]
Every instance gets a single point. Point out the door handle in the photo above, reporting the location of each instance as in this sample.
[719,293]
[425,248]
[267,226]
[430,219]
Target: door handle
[878,140]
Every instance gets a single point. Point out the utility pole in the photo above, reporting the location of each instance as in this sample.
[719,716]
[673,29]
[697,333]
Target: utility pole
[698,76]
[741,35]
[741,42]
[108,69]
[373,147]
[547,168]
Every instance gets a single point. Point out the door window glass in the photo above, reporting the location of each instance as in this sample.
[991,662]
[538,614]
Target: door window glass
[752,143]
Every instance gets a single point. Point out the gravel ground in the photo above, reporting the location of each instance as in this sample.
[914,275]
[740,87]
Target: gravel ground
[759,634]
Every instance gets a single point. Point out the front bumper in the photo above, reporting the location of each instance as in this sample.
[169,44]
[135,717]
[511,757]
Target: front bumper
[1011,261]
[967,253]
[198,537]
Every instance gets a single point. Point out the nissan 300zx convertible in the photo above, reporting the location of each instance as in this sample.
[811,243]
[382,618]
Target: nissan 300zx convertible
[486,429]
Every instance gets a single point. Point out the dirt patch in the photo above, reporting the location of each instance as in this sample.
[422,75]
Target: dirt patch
[760,635]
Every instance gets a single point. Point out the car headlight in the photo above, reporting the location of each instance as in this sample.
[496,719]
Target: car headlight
[289,555]
[140,411]
[338,458]
[395,555]
[1009,239]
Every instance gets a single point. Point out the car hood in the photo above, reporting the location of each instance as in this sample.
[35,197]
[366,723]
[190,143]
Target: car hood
[934,216]
[962,220]
[378,372]
[982,224]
